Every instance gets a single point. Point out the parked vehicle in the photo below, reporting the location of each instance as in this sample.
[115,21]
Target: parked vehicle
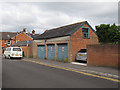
[13,52]
[81,55]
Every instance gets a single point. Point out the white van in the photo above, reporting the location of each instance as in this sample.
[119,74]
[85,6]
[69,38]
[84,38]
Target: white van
[13,52]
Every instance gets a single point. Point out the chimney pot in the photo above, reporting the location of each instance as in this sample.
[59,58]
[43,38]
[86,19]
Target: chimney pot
[46,30]
[33,31]
[24,30]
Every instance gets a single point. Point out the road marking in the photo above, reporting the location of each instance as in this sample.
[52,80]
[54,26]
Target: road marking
[89,74]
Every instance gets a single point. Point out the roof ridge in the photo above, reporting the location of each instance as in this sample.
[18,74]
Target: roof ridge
[61,31]
[67,25]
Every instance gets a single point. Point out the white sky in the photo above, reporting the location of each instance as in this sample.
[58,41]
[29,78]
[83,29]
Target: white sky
[40,16]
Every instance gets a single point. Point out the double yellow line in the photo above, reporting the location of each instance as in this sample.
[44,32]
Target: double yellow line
[89,74]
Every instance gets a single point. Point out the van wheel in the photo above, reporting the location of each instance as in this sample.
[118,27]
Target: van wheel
[9,57]
[5,57]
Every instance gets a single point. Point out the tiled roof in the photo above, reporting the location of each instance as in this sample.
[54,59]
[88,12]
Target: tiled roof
[34,35]
[59,32]
[7,35]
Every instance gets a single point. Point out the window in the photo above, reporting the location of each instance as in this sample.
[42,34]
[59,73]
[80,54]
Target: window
[9,42]
[83,50]
[85,32]
[16,49]
[5,49]
[8,35]
[5,42]
[9,49]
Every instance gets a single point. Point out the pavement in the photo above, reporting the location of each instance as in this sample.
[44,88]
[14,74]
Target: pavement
[101,71]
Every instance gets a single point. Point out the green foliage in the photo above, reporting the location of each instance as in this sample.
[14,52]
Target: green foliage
[108,34]
[65,60]
[30,56]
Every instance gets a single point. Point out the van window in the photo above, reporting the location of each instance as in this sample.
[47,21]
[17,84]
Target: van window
[16,49]
[9,49]
[5,49]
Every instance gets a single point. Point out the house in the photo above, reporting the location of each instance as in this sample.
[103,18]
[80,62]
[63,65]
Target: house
[64,42]
[6,38]
[22,36]
[21,41]
[10,38]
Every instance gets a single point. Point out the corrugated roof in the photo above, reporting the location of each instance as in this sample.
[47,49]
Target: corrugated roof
[22,43]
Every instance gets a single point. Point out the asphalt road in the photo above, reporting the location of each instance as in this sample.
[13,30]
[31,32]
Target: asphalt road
[21,74]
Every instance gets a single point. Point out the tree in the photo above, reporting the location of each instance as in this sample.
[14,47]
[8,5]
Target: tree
[108,34]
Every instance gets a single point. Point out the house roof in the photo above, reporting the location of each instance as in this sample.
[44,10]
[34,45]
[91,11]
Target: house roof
[34,35]
[60,32]
[22,43]
[7,35]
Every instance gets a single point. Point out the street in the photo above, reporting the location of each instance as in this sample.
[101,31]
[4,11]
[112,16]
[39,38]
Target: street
[17,73]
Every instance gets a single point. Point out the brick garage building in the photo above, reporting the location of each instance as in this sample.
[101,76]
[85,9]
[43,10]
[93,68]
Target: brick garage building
[64,42]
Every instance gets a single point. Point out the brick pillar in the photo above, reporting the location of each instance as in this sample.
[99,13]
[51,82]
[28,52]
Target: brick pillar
[56,51]
[45,50]
[69,52]
[35,49]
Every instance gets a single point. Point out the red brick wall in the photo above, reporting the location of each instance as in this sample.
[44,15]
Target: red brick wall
[31,50]
[103,55]
[3,43]
[77,41]
[24,48]
[22,37]
[6,45]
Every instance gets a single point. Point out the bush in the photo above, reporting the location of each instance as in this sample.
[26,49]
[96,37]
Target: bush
[30,56]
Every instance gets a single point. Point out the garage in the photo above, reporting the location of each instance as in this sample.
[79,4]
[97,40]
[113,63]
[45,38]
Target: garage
[62,52]
[41,51]
[51,51]
[67,40]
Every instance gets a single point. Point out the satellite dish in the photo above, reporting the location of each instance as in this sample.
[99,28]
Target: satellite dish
[8,35]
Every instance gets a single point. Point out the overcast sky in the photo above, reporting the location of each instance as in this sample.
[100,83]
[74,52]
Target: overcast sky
[42,16]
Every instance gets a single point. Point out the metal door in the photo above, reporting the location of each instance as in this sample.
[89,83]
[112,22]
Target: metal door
[62,52]
[41,51]
[51,51]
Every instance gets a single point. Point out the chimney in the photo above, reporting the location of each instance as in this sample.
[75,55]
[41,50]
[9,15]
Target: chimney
[24,30]
[17,33]
[33,32]
[46,30]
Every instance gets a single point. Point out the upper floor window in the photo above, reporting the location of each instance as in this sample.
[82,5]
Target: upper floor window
[85,32]
[9,42]
[5,41]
